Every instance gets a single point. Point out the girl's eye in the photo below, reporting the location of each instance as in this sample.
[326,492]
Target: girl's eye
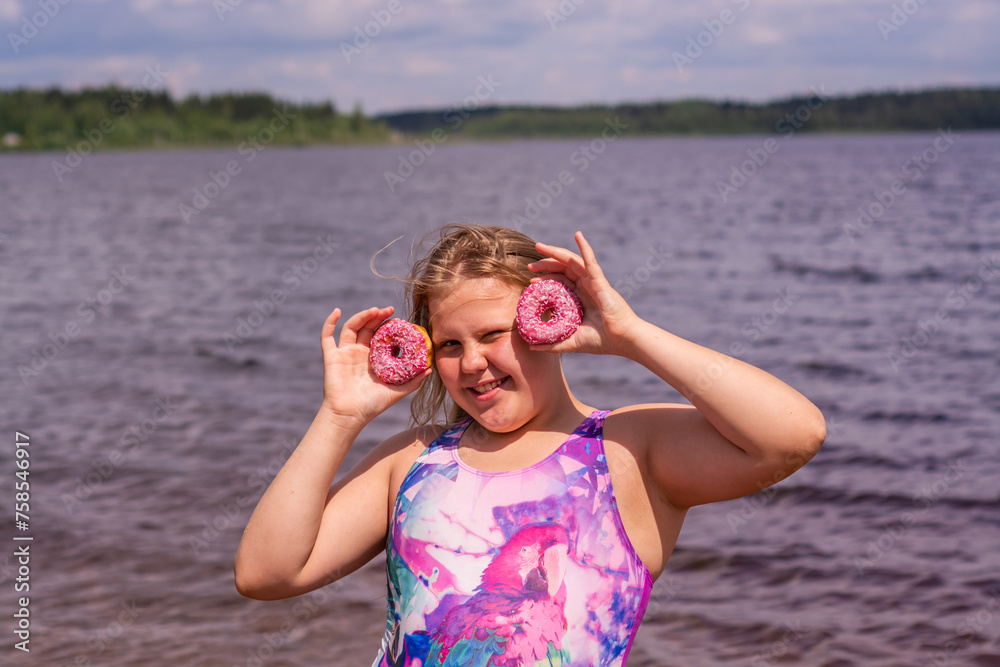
[494,334]
[448,343]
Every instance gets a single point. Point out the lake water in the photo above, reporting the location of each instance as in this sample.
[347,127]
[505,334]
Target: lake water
[163,368]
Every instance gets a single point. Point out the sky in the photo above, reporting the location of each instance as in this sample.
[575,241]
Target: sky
[393,55]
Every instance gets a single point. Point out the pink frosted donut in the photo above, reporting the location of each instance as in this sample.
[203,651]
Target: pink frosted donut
[400,351]
[548,296]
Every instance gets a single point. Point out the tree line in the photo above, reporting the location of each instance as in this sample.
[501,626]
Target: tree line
[965,109]
[116,117]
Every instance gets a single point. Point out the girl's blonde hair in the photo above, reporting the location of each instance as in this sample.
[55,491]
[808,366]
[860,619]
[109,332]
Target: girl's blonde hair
[461,251]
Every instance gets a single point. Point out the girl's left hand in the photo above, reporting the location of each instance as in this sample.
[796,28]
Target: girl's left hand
[607,317]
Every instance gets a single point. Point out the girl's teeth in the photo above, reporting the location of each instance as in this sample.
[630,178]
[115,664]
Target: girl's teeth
[486,387]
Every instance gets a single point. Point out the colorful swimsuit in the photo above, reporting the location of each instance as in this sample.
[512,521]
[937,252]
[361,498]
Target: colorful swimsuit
[511,569]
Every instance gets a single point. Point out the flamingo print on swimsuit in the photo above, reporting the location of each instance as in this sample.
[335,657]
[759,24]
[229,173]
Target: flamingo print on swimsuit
[514,569]
[516,614]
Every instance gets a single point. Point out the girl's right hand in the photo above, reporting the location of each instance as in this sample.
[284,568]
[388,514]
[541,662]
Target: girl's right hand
[352,394]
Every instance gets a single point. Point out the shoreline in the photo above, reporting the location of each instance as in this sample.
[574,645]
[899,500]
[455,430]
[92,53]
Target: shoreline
[408,139]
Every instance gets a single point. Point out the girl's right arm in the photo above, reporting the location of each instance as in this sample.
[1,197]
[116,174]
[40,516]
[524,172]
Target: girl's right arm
[303,533]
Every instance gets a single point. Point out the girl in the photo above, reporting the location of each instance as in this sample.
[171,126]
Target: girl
[527,530]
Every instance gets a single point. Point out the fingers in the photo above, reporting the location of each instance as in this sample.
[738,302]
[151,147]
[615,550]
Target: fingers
[367,330]
[330,325]
[589,258]
[561,260]
[360,327]
[568,263]
[547,266]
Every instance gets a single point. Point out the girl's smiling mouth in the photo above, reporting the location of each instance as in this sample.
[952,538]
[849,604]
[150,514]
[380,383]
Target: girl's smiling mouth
[488,388]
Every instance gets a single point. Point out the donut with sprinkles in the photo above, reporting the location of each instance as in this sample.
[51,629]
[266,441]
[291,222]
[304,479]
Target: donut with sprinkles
[548,312]
[400,351]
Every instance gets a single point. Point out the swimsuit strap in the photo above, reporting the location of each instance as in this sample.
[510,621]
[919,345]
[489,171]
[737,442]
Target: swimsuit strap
[451,435]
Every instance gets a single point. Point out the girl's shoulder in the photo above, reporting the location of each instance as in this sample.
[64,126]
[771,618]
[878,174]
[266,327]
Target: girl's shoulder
[635,427]
[412,441]
[402,449]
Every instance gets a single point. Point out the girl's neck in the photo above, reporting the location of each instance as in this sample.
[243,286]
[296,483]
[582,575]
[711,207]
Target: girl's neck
[556,421]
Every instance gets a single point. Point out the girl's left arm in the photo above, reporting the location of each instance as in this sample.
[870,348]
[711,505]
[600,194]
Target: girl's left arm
[744,430]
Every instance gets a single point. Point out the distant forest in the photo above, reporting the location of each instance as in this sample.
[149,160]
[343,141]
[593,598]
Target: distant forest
[113,117]
[966,108]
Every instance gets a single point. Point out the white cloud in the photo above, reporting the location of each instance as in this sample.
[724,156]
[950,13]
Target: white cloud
[430,53]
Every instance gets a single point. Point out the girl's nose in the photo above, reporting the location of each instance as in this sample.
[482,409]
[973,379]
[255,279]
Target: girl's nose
[473,360]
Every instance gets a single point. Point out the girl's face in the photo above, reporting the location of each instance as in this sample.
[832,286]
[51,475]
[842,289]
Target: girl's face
[482,359]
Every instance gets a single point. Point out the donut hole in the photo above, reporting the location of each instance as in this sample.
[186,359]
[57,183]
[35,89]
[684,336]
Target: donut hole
[396,351]
[546,315]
